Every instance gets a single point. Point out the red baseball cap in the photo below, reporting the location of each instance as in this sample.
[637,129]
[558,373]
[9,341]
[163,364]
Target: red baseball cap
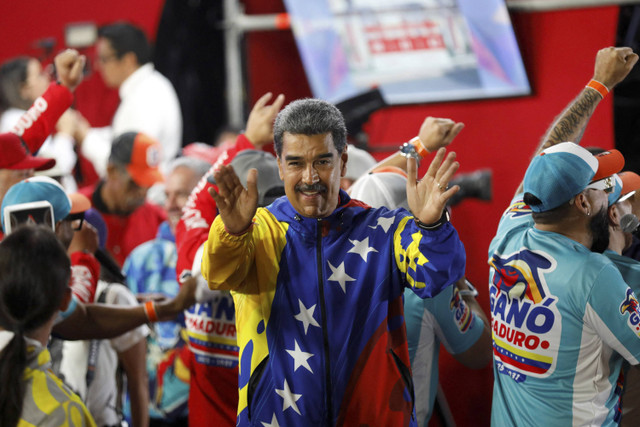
[15,155]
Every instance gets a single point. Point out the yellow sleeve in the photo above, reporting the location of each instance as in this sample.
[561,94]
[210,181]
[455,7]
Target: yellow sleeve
[226,258]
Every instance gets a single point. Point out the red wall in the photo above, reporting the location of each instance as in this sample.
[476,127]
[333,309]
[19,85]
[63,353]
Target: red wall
[24,23]
[500,134]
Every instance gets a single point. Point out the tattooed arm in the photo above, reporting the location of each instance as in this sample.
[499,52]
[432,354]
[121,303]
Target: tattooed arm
[612,66]
[572,122]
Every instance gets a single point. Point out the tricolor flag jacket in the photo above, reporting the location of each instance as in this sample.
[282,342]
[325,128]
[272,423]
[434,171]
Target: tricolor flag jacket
[319,310]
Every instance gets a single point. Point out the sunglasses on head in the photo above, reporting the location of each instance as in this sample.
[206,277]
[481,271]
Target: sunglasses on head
[607,185]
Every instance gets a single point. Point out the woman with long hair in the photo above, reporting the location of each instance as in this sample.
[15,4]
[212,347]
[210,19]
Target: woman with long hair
[22,81]
[34,287]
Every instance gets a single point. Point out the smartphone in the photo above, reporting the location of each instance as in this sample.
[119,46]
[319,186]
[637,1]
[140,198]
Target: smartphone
[40,212]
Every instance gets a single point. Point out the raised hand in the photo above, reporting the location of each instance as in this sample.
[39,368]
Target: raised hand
[428,197]
[260,122]
[186,297]
[438,132]
[613,64]
[236,205]
[70,68]
[168,309]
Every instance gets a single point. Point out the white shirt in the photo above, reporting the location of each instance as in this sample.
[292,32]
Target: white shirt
[100,398]
[148,104]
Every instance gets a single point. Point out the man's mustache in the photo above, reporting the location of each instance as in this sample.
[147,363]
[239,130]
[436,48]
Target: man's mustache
[310,188]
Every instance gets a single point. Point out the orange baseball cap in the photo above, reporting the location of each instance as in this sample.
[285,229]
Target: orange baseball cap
[630,184]
[79,203]
[140,155]
[609,162]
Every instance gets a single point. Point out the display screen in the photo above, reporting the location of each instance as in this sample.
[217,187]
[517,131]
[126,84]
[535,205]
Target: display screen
[28,213]
[413,51]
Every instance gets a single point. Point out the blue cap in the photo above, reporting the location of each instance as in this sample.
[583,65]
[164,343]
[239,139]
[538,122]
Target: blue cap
[39,188]
[93,217]
[564,170]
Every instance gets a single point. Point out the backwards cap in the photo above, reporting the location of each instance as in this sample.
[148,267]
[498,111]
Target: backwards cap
[360,162]
[388,189]
[16,156]
[270,186]
[564,170]
[44,188]
[140,155]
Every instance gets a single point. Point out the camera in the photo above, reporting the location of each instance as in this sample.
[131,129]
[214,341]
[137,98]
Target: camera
[472,185]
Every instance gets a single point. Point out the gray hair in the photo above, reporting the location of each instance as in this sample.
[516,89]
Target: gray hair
[310,117]
[196,165]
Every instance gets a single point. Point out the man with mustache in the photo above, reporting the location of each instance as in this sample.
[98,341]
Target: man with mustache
[561,315]
[317,279]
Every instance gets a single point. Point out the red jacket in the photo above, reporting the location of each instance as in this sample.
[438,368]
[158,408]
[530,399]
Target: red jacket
[213,393]
[40,120]
[200,210]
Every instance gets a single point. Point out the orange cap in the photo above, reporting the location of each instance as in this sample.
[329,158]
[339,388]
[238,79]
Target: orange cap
[141,155]
[630,184]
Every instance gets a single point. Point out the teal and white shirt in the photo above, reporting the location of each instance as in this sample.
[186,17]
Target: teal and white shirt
[629,268]
[444,319]
[563,321]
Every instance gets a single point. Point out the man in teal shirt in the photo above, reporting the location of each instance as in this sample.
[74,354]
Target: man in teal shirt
[621,225]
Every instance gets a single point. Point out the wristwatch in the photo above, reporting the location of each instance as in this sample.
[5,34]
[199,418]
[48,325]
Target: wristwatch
[436,225]
[471,291]
[409,150]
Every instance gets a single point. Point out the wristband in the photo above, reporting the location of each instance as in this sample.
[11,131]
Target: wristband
[414,148]
[150,311]
[599,87]
[422,152]
[436,225]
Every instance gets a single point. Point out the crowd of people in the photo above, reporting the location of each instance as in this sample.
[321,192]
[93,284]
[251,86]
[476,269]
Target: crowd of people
[285,277]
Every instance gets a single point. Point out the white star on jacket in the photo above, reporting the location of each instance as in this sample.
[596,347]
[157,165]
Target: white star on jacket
[289,399]
[300,357]
[339,275]
[384,223]
[273,423]
[306,316]
[361,247]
